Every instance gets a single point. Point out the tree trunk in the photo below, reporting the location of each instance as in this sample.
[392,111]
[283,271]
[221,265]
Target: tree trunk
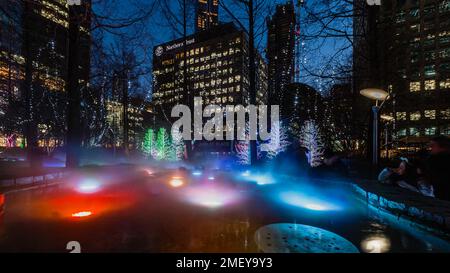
[73,91]
[252,74]
[125,102]
[30,124]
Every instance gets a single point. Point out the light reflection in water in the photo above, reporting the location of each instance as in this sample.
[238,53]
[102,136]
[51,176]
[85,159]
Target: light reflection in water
[309,201]
[176,182]
[88,186]
[211,195]
[376,244]
[81,214]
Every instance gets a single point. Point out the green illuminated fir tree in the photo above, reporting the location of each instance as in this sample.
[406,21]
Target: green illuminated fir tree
[163,145]
[149,144]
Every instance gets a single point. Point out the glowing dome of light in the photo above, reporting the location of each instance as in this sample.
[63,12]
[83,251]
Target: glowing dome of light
[211,196]
[88,186]
[300,199]
[82,214]
[376,244]
[176,182]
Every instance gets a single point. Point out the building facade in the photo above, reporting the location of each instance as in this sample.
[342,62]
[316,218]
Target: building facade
[281,53]
[216,70]
[419,73]
[408,54]
[33,68]
[207,14]
[137,111]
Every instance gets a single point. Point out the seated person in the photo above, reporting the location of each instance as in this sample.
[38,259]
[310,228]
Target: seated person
[408,175]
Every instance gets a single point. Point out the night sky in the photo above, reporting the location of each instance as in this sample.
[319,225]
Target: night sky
[318,54]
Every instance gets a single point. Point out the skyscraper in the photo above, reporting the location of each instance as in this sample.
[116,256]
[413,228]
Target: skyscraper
[33,67]
[207,15]
[216,67]
[281,52]
[409,55]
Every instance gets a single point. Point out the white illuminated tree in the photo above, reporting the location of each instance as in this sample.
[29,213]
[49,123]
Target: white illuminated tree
[242,148]
[278,142]
[177,147]
[310,138]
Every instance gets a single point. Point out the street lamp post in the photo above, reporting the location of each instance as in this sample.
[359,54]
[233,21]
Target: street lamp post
[377,95]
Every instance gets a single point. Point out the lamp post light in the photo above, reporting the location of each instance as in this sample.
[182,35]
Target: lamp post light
[378,96]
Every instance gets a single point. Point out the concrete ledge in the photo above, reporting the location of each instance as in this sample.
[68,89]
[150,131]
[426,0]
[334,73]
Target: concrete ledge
[402,202]
[19,182]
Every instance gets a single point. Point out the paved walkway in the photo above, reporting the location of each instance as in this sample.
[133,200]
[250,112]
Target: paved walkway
[401,202]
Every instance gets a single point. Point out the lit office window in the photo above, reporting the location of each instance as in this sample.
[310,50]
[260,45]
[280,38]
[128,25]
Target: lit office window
[444,6]
[445,131]
[414,132]
[445,114]
[444,84]
[402,132]
[414,86]
[430,114]
[401,115]
[430,131]
[430,71]
[430,85]
[415,116]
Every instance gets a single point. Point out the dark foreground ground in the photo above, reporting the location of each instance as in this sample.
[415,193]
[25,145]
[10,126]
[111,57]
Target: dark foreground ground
[143,210]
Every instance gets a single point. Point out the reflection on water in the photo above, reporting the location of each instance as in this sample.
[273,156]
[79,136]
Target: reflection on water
[154,213]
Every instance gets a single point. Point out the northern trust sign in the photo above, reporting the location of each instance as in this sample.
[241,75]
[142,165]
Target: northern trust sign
[164,48]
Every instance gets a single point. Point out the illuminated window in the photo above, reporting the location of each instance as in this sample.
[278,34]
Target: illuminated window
[430,85]
[415,116]
[402,132]
[430,131]
[414,86]
[401,115]
[444,84]
[445,130]
[430,114]
[445,114]
[444,53]
[444,6]
[430,71]
[414,13]
[414,132]
[415,28]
